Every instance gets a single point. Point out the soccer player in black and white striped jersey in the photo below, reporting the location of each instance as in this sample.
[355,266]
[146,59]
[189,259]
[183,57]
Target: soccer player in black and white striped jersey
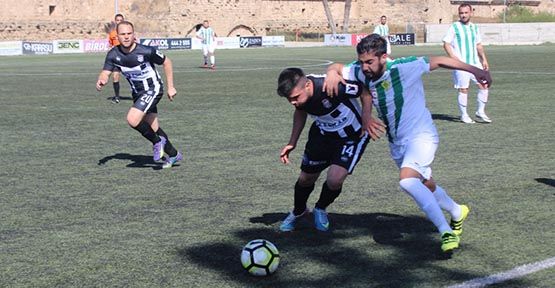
[136,62]
[337,138]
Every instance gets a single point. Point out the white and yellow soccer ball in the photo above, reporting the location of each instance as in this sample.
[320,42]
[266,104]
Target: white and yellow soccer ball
[260,257]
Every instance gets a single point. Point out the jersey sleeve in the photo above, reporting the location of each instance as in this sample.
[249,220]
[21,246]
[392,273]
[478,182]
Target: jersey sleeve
[352,89]
[478,34]
[450,35]
[109,61]
[157,57]
[353,72]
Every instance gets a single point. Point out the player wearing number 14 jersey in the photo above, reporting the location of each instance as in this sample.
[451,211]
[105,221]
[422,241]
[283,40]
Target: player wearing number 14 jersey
[136,62]
[337,139]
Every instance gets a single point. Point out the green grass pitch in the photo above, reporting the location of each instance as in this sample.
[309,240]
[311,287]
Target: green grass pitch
[82,203]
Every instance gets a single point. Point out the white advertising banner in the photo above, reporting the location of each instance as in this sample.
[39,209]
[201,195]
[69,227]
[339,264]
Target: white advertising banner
[10,48]
[221,43]
[273,41]
[68,46]
[337,39]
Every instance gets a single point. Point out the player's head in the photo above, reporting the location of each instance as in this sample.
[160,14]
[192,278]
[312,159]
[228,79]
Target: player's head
[118,18]
[293,85]
[465,12]
[372,55]
[126,33]
[205,23]
[383,19]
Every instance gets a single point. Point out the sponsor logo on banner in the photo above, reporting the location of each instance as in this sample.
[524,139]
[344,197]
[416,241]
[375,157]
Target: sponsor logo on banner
[37,48]
[68,46]
[179,43]
[254,41]
[355,38]
[158,43]
[97,45]
[337,39]
[402,39]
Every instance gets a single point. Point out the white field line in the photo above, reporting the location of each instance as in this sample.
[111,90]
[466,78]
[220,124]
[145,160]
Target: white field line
[507,275]
[319,62]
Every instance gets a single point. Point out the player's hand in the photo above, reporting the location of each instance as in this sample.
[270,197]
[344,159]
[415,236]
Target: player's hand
[100,83]
[331,83]
[375,127]
[284,154]
[485,64]
[171,93]
[484,78]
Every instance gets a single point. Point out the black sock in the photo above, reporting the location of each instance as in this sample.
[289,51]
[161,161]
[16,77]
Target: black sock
[168,148]
[301,196]
[327,196]
[116,88]
[147,132]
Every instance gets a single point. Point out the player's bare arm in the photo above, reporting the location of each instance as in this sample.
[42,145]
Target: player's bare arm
[375,127]
[482,55]
[299,120]
[102,79]
[168,70]
[333,78]
[482,76]
[449,50]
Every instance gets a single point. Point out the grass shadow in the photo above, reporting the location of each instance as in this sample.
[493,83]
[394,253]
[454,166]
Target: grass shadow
[414,240]
[120,98]
[138,161]
[445,117]
[546,181]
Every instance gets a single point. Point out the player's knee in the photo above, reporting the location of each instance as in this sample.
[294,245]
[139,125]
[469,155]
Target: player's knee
[335,184]
[133,121]
[306,179]
[463,90]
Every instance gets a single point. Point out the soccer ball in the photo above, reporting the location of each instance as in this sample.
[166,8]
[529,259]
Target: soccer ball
[260,257]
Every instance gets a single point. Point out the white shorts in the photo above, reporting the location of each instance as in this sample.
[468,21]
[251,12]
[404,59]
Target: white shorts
[417,154]
[206,48]
[461,79]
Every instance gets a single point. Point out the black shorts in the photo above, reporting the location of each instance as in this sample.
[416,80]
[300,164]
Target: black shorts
[322,151]
[146,101]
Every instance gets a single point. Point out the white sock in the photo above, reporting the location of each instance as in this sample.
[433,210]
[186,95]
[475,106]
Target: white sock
[463,100]
[447,203]
[426,201]
[213,60]
[482,100]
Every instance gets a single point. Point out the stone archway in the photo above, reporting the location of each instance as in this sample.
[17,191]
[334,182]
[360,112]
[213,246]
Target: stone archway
[195,28]
[242,28]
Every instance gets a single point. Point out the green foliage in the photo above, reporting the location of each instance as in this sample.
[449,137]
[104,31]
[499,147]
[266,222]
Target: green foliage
[521,14]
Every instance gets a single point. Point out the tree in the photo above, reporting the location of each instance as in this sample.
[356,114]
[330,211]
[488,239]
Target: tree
[331,23]
[346,16]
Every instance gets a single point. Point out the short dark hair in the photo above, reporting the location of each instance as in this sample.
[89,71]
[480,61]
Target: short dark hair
[125,23]
[465,5]
[288,80]
[372,43]
[119,15]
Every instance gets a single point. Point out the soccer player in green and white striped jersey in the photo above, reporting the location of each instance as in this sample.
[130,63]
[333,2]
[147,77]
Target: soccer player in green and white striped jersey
[208,37]
[383,30]
[398,95]
[463,42]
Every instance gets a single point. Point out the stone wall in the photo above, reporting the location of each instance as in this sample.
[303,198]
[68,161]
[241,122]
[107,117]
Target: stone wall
[86,19]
